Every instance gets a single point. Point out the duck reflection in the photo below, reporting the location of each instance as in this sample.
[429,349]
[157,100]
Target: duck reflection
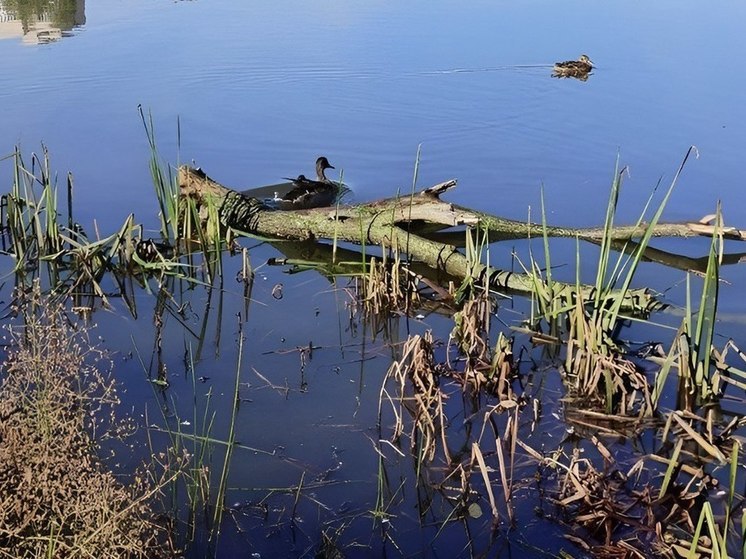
[40,21]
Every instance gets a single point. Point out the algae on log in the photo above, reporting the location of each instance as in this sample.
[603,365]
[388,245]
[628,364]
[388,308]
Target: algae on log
[380,223]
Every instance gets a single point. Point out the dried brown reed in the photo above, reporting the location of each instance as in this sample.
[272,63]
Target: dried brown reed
[416,375]
[486,368]
[471,330]
[419,397]
[613,513]
[389,287]
[57,498]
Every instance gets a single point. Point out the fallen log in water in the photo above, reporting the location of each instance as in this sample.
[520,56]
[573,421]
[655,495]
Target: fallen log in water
[388,223]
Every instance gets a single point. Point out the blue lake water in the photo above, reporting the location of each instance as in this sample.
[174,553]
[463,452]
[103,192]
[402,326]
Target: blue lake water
[262,89]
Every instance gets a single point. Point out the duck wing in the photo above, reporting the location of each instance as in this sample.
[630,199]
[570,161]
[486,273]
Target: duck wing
[270,191]
[567,64]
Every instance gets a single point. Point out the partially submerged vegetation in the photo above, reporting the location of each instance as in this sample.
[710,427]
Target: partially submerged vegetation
[678,498]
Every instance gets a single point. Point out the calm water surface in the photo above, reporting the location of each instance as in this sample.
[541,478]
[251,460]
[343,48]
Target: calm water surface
[262,89]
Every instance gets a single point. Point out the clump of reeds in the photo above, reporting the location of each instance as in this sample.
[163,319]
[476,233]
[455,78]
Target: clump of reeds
[609,515]
[47,244]
[598,371]
[485,366]
[416,375]
[471,329]
[594,363]
[389,286]
[701,369]
[57,498]
[683,512]
[187,225]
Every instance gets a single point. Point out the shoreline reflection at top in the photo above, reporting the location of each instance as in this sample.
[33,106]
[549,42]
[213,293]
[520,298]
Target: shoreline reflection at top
[38,22]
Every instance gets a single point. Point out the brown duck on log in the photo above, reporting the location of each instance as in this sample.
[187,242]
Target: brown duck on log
[307,193]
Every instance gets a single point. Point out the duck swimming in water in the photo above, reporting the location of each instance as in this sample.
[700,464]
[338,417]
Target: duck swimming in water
[307,193]
[579,68]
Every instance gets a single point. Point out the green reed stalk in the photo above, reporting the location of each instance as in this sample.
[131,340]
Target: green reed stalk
[545,237]
[53,243]
[660,378]
[717,537]
[219,502]
[673,464]
[166,189]
[693,342]
[605,252]
[732,475]
[703,335]
[411,197]
[643,243]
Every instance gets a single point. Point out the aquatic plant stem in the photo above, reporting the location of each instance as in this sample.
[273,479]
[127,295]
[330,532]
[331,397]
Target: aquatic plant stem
[219,501]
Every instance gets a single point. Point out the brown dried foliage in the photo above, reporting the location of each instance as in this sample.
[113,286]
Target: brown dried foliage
[423,399]
[471,330]
[485,367]
[614,515]
[389,287]
[57,498]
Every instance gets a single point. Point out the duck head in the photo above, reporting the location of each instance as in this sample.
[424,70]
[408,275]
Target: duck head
[585,60]
[322,163]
